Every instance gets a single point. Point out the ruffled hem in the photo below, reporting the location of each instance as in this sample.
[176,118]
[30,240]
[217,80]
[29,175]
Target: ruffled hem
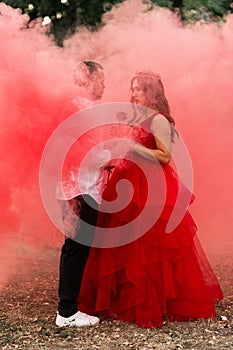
[157,276]
[145,282]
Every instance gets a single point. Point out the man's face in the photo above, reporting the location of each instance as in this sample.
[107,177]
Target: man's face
[97,84]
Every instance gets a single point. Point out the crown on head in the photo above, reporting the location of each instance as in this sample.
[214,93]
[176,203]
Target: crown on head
[147,74]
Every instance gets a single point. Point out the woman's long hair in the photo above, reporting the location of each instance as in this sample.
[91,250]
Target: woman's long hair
[152,86]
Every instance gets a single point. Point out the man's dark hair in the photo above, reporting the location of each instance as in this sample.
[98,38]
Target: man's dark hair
[92,66]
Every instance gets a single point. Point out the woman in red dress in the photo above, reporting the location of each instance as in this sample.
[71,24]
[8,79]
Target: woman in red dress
[155,275]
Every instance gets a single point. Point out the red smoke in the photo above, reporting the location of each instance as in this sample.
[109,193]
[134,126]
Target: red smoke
[195,64]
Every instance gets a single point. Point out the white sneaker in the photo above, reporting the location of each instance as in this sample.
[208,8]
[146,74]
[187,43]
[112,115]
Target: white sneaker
[79,320]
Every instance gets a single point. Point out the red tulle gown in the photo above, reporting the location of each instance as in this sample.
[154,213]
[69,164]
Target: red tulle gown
[158,275]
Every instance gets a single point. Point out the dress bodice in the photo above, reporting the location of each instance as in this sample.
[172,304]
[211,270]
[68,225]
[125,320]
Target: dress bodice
[143,135]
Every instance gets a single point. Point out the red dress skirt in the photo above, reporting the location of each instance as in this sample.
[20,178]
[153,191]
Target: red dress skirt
[149,275]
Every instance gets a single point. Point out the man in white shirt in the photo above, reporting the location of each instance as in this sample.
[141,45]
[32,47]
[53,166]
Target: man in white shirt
[80,202]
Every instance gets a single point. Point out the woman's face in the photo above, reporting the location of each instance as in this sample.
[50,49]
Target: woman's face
[137,94]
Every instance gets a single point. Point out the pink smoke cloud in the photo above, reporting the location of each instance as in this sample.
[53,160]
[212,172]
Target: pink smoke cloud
[196,67]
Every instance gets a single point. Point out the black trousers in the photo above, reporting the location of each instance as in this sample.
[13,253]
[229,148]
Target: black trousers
[74,254]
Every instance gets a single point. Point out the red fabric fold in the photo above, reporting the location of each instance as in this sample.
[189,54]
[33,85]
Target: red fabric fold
[159,275]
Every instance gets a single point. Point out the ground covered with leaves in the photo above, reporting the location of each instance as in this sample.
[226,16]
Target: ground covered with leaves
[28,305]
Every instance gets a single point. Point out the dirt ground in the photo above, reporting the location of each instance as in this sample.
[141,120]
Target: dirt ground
[28,306]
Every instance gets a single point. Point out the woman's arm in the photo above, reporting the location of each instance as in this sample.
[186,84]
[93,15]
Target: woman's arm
[161,130]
